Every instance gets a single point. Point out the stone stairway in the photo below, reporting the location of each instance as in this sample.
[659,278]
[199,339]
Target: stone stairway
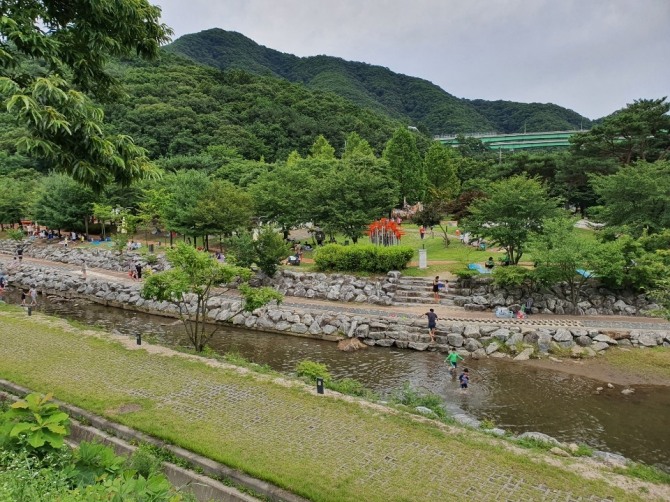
[419,290]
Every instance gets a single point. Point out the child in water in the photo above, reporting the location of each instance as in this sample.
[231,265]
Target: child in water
[464,378]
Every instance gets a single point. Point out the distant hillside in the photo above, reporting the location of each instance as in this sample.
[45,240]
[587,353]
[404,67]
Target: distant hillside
[375,87]
[177,107]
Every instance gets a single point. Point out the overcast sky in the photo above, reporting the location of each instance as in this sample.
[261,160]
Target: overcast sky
[593,56]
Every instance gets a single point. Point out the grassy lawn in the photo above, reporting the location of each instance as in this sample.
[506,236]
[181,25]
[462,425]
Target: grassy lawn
[654,361]
[445,259]
[320,447]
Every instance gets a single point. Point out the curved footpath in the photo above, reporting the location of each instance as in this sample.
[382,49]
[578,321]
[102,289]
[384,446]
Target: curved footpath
[329,448]
[326,448]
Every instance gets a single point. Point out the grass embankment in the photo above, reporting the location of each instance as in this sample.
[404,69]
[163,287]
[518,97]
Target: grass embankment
[652,361]
[322,448]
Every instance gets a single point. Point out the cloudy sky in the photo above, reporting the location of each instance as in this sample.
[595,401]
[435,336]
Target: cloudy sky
[593,56]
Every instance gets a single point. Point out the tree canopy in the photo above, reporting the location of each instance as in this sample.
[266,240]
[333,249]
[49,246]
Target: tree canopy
[513,209]
[53,60]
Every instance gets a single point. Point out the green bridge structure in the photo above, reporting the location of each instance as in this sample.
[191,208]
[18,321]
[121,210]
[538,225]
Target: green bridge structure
[518,141]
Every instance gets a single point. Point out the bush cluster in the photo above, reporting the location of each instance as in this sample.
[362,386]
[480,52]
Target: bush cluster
[363,258]
[36,464]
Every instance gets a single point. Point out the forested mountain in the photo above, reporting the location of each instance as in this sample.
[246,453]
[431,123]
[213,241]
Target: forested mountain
[178,107]
[399,96]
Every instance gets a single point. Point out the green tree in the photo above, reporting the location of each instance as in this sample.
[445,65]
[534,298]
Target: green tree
[282,195]
[52,58]
[352,195]
[321,149]
[63,203]
[182,193]
[189,285]
[355,146]
[103,213]
[441,169]
[405,165]
[636,198]
[641,131]
[562,255]
[222,208]
[514,208]
[18,196]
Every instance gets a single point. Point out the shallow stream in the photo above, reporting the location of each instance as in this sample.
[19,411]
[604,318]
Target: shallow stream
[514,396]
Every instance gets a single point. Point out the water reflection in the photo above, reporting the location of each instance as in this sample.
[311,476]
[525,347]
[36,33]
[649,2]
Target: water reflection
[516,397]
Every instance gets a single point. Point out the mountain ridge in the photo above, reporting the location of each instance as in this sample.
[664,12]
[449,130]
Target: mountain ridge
[399,96]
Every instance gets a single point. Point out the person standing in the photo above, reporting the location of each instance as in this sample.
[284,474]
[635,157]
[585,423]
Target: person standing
[452,358]
[33,295]
[19,254]
[436,289]
[464,379]
[432,323]
[84,269]
[422,232]
[138,269]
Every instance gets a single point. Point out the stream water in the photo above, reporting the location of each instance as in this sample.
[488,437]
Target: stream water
[515,397]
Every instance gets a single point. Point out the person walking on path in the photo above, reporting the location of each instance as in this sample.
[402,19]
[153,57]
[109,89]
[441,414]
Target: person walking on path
[436,289]
[24,297]
[464,379]
[432,323]
[138,269]
[33,295]
[452,358]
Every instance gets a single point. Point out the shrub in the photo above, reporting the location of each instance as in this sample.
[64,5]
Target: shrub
[363,258]
[241,250]
[411,397]
[511,276]
[270,250]
[311,370]
[465,273]
[34,422]
[144,462]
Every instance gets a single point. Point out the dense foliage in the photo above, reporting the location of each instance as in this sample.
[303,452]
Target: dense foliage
[179,108]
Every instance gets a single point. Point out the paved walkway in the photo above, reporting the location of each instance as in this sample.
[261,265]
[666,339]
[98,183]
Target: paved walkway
[321,447]
[449,313]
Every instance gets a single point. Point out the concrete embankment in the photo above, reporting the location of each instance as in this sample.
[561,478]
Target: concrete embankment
[479,339]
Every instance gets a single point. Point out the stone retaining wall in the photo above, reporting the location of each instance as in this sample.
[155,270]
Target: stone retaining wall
[335,287]
[476,339]
[479,294]
[102,257]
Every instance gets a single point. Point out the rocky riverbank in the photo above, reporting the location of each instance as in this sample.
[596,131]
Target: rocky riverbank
[480,294]
[476,339]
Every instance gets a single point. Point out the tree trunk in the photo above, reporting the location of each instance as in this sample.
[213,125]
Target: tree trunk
[86,226]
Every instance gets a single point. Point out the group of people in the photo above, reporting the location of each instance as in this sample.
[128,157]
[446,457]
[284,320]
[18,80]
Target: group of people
[29,296]
[453,357]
